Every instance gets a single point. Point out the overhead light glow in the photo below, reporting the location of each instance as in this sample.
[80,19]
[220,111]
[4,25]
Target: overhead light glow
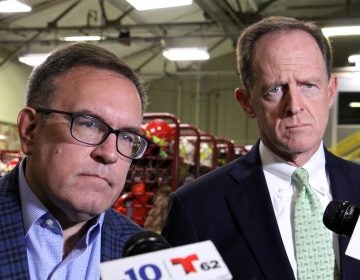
[33,59]
[2,137]
[82,38]
[341,31]
[354,104]
[178,54]
[354,58]
[13,6]
[142,5]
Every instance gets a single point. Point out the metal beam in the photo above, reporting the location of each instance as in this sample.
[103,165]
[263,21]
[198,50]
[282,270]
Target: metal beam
[132,39]
[222,13]
[53,23]
[174,25]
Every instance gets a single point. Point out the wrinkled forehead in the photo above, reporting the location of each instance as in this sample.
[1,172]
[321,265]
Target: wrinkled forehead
[287,49]
[285,41]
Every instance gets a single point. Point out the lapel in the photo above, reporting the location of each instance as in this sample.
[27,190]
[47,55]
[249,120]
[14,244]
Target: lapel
[344,186]
[111,243]
[252,210]
[116,230]
[13,263]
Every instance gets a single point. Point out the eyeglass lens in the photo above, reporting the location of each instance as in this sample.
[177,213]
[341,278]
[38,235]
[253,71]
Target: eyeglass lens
[93,131]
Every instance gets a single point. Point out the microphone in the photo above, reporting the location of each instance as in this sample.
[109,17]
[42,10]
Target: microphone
[144,242]
[341,217]
[147,255]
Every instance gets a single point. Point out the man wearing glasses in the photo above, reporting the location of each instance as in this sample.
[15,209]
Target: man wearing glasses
[79,132]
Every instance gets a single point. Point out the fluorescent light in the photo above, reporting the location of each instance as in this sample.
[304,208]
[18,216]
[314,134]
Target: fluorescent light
[354,58]
[142,5]
[33,59]
[354,104]
[177,54]
[13,6]
[2,137]
[82,38]
[341,31]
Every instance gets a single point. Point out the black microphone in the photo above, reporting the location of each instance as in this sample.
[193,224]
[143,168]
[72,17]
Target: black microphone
[144,242]
[341,217]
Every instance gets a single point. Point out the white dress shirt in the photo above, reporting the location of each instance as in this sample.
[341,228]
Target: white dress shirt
[278,178]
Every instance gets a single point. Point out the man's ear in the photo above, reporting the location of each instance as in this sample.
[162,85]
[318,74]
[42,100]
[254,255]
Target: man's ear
[27,123]
[332,89]
[242,96]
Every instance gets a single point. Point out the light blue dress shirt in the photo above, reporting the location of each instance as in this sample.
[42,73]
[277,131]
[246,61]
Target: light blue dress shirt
[44,242]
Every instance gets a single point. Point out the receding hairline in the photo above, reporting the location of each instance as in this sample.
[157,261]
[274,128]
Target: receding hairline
[271,25]
[287,32]
[93,68]
[40,84]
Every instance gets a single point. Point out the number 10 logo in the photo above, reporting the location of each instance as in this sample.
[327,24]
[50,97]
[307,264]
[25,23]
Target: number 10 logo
[153,272]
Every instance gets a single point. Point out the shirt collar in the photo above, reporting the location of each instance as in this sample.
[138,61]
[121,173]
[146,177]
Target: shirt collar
[274,163]
[283,170]
[33,209]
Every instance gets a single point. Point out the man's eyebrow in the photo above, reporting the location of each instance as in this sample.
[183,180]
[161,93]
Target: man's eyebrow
[88,113]
[133,129]
[95,115]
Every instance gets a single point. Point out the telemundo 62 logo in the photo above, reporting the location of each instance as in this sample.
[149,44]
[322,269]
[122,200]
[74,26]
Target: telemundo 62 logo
[187,265]
[198,261]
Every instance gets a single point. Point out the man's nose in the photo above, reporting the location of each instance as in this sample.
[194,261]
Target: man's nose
[106,152]
[293,101]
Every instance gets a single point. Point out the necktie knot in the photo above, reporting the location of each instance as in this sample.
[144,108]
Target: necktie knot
[300,178]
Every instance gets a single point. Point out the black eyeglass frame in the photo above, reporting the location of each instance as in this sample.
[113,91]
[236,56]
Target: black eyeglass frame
[73,115]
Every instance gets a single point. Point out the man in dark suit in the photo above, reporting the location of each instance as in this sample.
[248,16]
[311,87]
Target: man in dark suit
[248,207]
[79,132]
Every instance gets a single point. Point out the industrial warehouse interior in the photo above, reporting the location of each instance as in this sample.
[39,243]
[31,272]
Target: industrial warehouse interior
[193,103]
[142,153]
[197,92]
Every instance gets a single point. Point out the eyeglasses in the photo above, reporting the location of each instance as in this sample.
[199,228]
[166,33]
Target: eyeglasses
[93,131]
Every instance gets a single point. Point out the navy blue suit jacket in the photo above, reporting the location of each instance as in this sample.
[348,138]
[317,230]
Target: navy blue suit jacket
[232,207]
[116,230]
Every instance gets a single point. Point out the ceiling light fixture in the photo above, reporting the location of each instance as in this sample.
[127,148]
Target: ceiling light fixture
[33,59]
[142,5]
[81,38]
[13,6]
[354,104]
[354,58]
[341,31]
[181,54]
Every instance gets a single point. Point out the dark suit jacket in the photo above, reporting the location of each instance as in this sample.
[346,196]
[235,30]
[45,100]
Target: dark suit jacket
[116,230]
[232,207]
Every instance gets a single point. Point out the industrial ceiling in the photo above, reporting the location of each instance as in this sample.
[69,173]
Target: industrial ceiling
[140,36]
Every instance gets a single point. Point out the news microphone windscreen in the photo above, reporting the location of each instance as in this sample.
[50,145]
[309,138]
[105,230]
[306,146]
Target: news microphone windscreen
[341,217]
[144,242]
